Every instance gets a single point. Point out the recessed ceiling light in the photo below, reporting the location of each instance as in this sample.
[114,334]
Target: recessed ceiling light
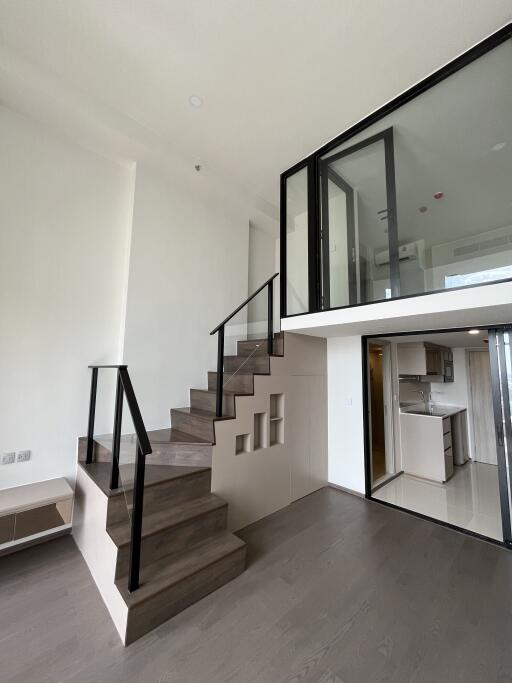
[438,195]
[423,209]
[473,331]
[195,101]
[499,146]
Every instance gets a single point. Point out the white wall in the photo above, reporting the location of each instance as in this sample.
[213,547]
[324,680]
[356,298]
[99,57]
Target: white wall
[64,217]
[188,270]
[345,411]
[262,265]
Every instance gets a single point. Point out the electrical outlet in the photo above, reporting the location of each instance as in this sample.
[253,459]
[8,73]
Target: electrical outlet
[23,456]
[8,458]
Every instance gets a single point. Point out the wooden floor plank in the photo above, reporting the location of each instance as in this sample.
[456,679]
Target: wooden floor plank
[337,590]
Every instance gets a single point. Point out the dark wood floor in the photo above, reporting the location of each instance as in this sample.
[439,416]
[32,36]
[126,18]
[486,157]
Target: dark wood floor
[338,590]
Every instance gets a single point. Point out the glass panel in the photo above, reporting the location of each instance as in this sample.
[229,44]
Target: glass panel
[451,151]
[355,227]
[505,368]
[297,290]
[245,348]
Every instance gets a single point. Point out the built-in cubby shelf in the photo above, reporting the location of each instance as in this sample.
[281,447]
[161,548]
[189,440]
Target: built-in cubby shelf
[243,443]
[260,431]
[276,419]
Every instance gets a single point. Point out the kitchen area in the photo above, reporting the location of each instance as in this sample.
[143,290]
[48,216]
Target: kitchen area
[438,426]
[434,437]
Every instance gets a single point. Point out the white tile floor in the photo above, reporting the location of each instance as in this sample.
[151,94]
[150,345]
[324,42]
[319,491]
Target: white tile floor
[470,499]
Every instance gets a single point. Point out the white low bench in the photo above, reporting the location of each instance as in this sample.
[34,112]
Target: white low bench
[33,511]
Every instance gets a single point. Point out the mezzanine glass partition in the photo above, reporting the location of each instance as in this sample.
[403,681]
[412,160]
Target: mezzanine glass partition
[418,201]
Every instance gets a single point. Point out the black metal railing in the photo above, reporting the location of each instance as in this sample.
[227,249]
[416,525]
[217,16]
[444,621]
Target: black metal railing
[220,329]
[124,387]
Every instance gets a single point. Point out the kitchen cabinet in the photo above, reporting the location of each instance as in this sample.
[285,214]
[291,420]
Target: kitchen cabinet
[431,444]
[412,359]
[434,361]
[425,360]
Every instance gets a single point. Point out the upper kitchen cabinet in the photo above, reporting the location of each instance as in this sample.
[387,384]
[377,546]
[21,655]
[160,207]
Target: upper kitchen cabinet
[412,359]
[425,360]
[434,359]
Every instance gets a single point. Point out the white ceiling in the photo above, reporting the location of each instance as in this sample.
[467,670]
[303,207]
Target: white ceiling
[278,78]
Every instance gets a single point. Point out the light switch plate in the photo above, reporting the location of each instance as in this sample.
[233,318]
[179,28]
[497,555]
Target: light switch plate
[23,456]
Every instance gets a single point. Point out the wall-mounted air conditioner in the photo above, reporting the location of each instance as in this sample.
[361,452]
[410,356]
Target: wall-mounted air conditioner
[406,252]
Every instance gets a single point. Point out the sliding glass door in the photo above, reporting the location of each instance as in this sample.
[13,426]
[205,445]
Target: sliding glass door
[359,242]
[501,368]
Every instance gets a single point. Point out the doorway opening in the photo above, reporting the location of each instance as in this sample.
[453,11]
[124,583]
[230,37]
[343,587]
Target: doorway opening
[381,412]
[439,429]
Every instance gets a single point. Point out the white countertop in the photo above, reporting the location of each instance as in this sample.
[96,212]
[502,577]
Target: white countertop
[440,411]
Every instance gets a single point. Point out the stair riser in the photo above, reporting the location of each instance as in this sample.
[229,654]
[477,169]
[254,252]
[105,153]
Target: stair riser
[182,455]
[242,364]
[206,401]
[240,384]
[161,496]
[174,539]
[192,424]
[169,602]
[99,454]
[259,347]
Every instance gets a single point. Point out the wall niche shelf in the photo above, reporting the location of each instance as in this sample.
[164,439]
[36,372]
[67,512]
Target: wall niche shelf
[242,444]
[276,419]
[260,431]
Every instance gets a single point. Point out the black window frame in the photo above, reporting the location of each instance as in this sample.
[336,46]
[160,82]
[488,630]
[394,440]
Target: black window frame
[312,162]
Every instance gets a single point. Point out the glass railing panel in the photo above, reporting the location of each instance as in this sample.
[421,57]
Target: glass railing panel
[355,219]
[105,408]
[297,284]
[246,343]
[417,202]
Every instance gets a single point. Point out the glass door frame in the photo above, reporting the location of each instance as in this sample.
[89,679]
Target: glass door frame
[325,175]
[386,136]
[502,421]
[499,387]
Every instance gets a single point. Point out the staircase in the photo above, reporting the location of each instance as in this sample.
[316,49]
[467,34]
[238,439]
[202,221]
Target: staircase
[185,550]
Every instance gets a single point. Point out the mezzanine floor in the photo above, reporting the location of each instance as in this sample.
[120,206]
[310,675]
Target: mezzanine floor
[338,590]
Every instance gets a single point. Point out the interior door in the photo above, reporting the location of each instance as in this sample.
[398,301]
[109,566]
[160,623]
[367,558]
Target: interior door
[359,234]
[501,375]
[482,412]
[380,410]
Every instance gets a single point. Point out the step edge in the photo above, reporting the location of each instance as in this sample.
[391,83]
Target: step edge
[221,504]
[124,577]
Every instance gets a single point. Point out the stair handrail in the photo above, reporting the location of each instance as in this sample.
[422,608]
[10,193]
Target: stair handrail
[124,387]
[220,329]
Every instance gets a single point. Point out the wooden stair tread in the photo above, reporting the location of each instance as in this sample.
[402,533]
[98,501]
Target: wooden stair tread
[169,517]
[201,414]
[99,472]
[168,571]
[172,435]
[214,391]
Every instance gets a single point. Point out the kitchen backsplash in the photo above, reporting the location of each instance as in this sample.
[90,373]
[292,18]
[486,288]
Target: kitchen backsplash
[409,391]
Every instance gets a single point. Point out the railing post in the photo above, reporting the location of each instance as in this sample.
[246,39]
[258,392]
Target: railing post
[92,412]
[116,437]
[137,510]
[220,372]
[270,317]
